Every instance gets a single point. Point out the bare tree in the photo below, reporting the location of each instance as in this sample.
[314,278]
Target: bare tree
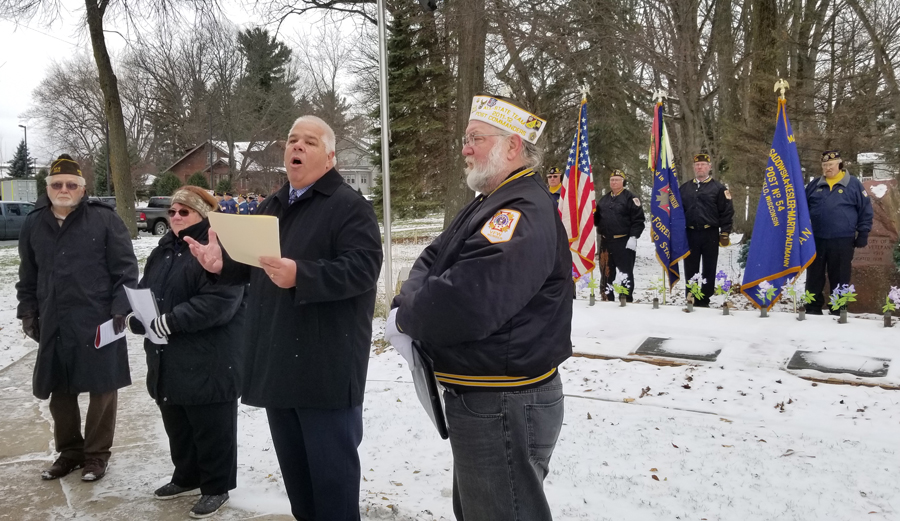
[97,12]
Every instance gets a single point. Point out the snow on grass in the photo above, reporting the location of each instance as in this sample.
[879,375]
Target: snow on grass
[736,439]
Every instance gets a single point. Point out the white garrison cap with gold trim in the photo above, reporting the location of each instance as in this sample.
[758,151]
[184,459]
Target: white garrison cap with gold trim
[504,115]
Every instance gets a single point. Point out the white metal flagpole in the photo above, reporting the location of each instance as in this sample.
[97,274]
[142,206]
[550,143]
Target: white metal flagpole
[385,157]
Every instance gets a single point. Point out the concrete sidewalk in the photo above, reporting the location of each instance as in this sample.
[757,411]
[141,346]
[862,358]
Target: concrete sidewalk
[126,492]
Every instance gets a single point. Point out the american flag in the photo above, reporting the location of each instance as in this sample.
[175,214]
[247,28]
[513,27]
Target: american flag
[576,202]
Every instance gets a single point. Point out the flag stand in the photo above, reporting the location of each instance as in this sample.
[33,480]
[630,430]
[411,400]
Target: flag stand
[664,279]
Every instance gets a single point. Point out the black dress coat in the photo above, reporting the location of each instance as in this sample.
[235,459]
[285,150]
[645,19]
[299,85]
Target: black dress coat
[73,278]
[202,361]
[308,346]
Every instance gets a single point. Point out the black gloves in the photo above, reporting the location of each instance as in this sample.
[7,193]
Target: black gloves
[118,323]
[164,325]
[31,325]
[862,239]
[134,325]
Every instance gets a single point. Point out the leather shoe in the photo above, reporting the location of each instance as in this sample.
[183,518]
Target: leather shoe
[94,469]
[61,467]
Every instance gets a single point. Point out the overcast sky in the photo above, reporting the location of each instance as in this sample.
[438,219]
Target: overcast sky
[26,52]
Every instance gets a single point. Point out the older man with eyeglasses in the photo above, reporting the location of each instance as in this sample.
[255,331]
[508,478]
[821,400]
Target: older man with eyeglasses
[76,259]
[554,183]
[490,302]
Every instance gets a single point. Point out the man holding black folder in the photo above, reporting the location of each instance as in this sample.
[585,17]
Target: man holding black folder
[490,303]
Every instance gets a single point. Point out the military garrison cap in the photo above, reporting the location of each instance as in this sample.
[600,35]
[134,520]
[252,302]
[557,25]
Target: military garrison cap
[701,158]
[64,164]
[618,173]
[831,155]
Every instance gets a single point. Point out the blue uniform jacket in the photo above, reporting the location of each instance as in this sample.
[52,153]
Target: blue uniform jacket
[244,208]
[843,211]
[229,206]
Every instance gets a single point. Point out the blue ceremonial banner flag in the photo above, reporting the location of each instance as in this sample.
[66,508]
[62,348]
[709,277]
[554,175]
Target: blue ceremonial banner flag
[782,245]
[667,228]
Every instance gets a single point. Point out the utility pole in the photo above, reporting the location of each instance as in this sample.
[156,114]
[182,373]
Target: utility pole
[27,160]
[385,152]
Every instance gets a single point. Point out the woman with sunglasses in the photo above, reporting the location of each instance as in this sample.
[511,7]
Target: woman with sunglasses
[195,378]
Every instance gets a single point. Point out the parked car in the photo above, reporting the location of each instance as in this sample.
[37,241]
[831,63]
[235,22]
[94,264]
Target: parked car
[109,200]
[154,217]
[12,216]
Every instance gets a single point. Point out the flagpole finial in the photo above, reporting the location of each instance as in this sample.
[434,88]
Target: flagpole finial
[782,86]
[585,90]
[659,96]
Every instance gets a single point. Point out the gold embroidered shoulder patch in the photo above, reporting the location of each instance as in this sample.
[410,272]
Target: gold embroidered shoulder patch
[501,226]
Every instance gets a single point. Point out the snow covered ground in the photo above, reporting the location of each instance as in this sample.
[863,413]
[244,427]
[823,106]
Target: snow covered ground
[740,438]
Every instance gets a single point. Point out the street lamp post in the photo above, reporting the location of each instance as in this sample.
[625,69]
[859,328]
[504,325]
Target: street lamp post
[27,162]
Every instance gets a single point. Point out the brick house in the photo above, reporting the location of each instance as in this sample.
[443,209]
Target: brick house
[258,166]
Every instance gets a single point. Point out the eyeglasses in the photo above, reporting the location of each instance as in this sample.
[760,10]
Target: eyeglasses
[476,139]
[184,212]
[70,185]
[552,175]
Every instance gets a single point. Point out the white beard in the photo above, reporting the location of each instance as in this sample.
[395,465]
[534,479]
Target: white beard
[483,178]
[72,202]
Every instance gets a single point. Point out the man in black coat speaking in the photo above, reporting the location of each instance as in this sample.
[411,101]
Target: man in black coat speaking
[76,259]
[311,316]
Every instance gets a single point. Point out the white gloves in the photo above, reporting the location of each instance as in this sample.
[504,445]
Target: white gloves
[631,244]
[402,343]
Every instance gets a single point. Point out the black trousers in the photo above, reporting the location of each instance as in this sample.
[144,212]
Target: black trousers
[834,258]
[317,453]
[704,245]
[203,444]
[617,257]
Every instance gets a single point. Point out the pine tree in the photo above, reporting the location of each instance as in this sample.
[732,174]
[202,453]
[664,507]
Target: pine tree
[198,179]
[420,90]
[20,166]
[224,185]
[165,185]
[41,179]
[266,88]
[100,160]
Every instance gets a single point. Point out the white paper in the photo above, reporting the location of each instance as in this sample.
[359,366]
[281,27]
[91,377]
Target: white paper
[106,334]
[246,238]
[143,304]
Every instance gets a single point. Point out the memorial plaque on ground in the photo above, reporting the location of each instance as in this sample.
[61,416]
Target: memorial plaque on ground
[686,348]
[874,271]
[825,362]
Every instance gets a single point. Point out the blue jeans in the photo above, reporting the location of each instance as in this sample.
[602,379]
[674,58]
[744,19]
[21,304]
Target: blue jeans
[502,443]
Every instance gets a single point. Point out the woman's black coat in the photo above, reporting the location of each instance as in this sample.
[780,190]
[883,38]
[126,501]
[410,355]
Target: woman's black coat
[202,361]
